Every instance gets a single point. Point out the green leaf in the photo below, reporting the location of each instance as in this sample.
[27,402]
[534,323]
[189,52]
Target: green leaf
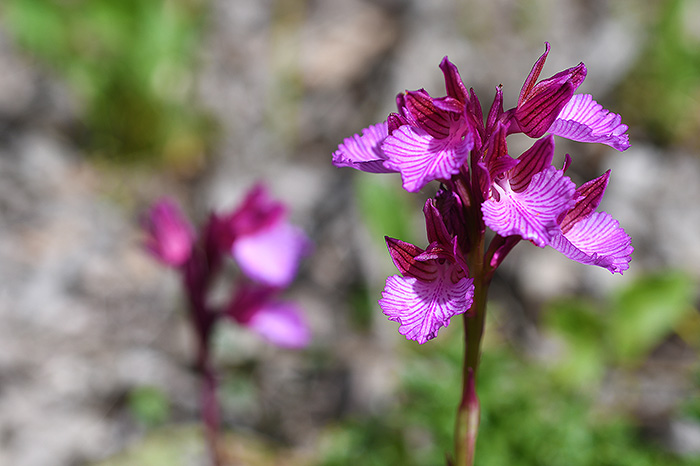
[643,314]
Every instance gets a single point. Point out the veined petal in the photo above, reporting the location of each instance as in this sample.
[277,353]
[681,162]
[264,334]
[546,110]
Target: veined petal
[421,158]
[596,240]
[448,104]
[476,116]
[540,103]
[421,308]
[496,110]
[404,254]
[272,255]
[585,120]
[534,75]
[281,323]
[435,227]
[588,197]
[394,121]
[451,211]
[422,112]
[537,113]
[534,160]
[453,82]
[496,153]
[364,152]
[532,213]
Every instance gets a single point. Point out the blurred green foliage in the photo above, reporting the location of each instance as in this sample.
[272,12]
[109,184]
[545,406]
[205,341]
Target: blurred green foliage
[385,208]
[130,64]
[532,414]
[149,405]
[170,446]
[622,330]
[661,94]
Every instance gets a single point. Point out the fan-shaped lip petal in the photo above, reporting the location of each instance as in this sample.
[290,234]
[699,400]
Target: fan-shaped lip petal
[421,158]
[281,323]
[422,308]
[585,120]
[532,214]
[364,152]
[272,255]
[596,240]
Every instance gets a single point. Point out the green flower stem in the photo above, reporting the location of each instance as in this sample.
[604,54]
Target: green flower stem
[467,424]
[468,413]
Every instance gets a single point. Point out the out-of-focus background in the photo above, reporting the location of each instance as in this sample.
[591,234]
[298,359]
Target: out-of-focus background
[106,105]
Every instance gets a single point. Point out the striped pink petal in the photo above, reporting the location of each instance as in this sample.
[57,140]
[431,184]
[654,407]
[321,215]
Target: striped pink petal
[453,81]
[364,152]
[532,213]
[540,103]
[532,161]
[404,254]
[596,240]
[421,158]
[422,307]
[585,120]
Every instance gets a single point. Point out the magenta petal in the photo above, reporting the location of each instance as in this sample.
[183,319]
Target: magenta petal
[588,197]
[537,113]
[585,120]
[435,226]
[421,307]
[532,161]
[421,158]
[364,152]
[496,110]
[534,75]
[596,240]
[404,255]
[272,255]
[422,112]
[170,235]
[282,324]
[532,214]
[257,212]
[453,82]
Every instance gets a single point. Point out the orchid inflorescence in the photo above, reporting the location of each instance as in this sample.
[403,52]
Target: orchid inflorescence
[264,245]
[267,250]
[447,139]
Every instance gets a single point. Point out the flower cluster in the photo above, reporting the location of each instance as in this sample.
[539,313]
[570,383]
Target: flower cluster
[448,139]
[266,248]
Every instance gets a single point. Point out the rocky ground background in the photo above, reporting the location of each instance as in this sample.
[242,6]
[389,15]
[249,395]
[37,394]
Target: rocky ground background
[86,317]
